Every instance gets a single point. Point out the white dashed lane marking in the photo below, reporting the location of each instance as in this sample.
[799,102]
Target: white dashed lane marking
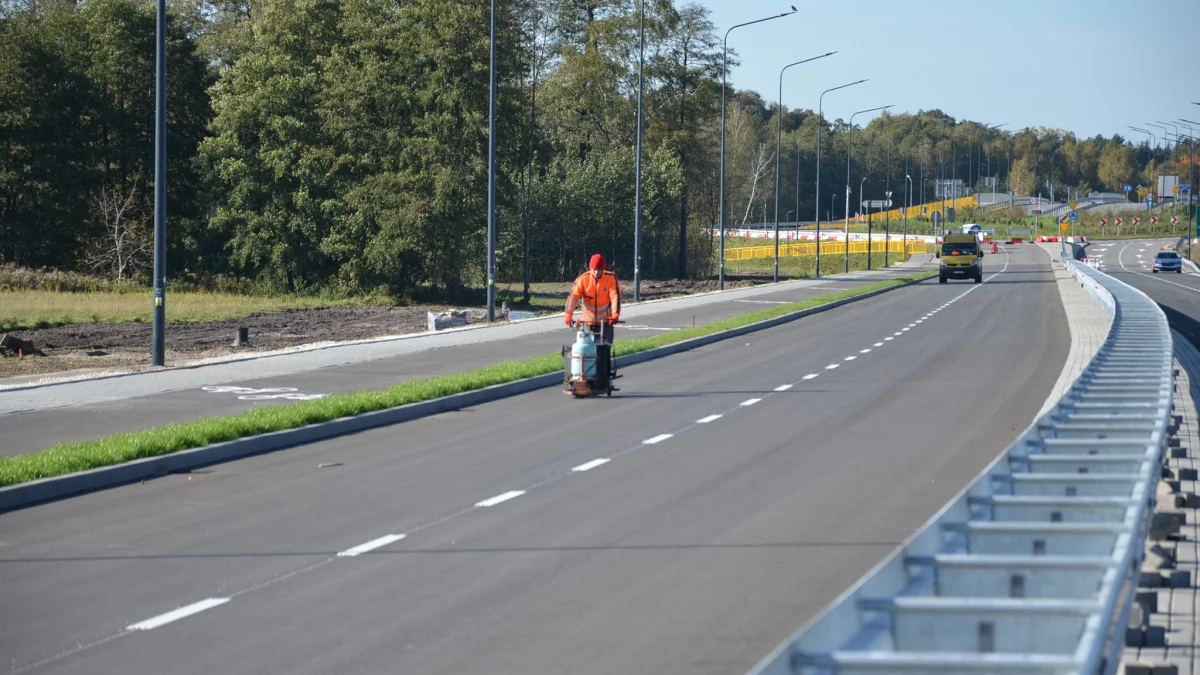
[710,418]
[783,387]
[750,402]
[370,545]
[500,499]
[181,613]
[592,464]
[810,376]
[657,439]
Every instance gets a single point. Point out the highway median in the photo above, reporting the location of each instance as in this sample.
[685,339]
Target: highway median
[86,460]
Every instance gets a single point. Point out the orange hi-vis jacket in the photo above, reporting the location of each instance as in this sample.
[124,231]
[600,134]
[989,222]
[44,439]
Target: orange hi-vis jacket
[600,298]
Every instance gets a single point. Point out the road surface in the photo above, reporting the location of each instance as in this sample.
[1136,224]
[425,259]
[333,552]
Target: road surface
[1177,294]
[746,485]
[33,419]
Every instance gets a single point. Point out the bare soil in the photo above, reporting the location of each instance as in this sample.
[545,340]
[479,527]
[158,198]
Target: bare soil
[126,346]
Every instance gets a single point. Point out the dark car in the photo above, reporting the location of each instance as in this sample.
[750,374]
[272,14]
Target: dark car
[1167,261]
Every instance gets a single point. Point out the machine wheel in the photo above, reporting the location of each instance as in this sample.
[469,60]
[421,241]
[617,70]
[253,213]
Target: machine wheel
[979,279]
[1179,271]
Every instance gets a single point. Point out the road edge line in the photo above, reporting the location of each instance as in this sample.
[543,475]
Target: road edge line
[44,490]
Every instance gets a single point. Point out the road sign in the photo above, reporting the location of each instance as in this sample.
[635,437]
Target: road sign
[1119,221]
[937,219]
[1137,221]
[877,203]
[1186,187]
[1175,189]
[1103,222]
[1174,220]
[1128,188]
[1073,215]
[888,194]
[1065,226]
[1072,205]
[1033,200]
[1153,220]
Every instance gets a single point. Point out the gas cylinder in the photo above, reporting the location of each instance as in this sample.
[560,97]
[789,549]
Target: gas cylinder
[583,355]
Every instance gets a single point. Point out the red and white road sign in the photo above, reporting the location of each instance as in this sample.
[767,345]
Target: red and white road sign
[1119,221]
[1137,221]
[1174,220]
[1103,222]
[1153,220]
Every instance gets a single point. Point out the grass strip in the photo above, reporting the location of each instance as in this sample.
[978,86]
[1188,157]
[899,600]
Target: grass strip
[73,457]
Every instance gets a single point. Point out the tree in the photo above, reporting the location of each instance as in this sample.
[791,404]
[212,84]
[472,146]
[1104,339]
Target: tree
[1117,168]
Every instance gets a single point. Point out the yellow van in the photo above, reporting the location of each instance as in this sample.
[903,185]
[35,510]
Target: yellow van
[962,258]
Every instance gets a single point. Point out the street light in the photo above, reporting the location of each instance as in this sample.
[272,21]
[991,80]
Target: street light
[637,196]
[1164,130]
[1173,126]
[849,154]
[160,188]
[817,193]
[906,210]
[491,243]
[779,150]
[724,73]
[1153,140]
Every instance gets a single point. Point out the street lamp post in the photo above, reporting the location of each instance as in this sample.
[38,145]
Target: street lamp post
[860,192]
[1166,141]
[724,75]
[779,150]
[1191,169]
[157,355]
[817,193]
[637,196]
[849,154]
[491,235]
[906,210]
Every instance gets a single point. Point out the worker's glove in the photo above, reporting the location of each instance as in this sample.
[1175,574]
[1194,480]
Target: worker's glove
[613,319]
[569,319]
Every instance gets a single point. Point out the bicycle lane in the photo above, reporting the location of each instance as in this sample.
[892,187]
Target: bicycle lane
[35,419]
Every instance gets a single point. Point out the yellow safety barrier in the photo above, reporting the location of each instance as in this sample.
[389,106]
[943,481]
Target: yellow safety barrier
[936,205]
[827,247]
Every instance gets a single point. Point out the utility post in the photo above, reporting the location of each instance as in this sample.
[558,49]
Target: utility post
[157,356]
[887,229]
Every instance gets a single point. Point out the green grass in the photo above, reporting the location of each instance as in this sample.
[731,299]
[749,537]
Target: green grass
[73,457]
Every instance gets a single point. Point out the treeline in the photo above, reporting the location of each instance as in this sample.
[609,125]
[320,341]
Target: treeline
[342,145]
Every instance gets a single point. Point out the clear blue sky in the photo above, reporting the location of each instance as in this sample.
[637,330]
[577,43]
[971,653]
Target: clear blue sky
[1089,66]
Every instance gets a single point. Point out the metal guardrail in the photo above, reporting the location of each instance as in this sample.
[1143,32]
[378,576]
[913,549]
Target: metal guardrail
[1033,567]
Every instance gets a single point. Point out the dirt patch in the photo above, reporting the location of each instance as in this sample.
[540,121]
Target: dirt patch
[126,346]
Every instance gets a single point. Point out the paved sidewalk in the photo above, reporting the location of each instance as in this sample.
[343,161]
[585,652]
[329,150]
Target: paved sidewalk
[1089,324]
[1169,643]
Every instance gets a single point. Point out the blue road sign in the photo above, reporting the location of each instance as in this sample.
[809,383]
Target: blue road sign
[1185,187]
[1129,188]
[1073,216]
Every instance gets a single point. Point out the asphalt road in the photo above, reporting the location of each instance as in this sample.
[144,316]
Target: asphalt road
[37,429]
[1177,294]
[731,509]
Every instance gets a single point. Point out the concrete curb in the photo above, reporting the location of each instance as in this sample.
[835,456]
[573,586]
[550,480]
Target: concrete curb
[59,487]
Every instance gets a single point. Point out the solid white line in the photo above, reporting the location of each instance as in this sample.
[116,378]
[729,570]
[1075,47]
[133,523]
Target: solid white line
[750,402]
[783,387]
[592,464]
[850,358]
[499,499]
[810,376]
[710,418]
[832,366]
[370,545]
[181,613]
[864,351]
[657,439]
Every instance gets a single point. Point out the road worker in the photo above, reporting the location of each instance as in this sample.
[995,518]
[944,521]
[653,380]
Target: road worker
[599,293]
